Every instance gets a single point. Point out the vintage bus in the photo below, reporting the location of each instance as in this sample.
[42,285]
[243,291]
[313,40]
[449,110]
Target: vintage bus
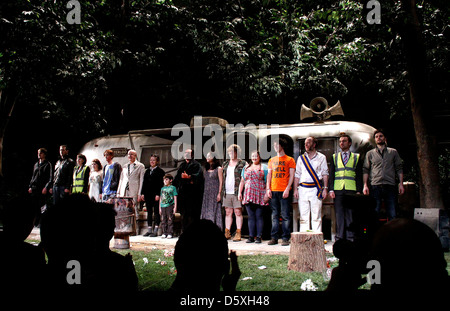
[166,143]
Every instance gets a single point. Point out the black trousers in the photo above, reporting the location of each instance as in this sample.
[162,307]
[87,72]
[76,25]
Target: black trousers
[38,200]
[344,215]
[190,206]
[153,209]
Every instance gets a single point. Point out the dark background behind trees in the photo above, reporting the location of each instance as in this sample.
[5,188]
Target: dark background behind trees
[150,64]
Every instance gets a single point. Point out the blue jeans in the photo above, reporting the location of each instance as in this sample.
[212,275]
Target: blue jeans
[280,206]
[388,193]
[255,219]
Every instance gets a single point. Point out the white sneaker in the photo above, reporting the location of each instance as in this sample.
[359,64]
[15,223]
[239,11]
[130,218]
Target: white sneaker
[169,236]
[163,236]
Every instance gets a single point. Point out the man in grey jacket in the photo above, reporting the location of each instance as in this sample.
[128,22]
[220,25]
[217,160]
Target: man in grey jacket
[382,166]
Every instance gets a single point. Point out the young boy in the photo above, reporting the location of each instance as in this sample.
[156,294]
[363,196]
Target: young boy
[167,206]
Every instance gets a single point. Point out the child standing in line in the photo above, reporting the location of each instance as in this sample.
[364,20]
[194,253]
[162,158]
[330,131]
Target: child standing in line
[167,206]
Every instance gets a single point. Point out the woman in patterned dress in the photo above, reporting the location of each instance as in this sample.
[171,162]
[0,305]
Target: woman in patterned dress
[254,184]
[211,207]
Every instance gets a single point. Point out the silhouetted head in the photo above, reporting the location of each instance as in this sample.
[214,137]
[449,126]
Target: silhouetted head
[201,257]
[106,223]
[68,228]
[410,256]
[344,250]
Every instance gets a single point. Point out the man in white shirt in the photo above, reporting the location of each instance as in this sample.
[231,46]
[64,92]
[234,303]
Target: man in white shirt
[311,186]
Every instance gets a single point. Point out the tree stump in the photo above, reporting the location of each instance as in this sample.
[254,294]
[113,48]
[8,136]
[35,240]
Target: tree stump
[307,252]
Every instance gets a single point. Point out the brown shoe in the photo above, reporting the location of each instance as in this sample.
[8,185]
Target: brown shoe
[273,242]
[237,235]
[227,234]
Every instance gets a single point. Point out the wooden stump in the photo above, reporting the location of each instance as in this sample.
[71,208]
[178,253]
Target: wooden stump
[307,252]
[121,240]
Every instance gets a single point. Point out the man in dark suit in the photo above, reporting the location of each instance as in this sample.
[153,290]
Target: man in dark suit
[151,189]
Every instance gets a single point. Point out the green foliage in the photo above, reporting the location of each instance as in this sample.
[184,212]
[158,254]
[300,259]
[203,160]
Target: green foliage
[262,58]
[55,66]
[237,56]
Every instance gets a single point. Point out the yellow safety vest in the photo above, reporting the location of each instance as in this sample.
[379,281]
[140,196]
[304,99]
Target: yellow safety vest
[345,175]
[78,179]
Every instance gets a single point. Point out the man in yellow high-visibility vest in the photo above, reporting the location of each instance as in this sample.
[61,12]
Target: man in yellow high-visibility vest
[345,178]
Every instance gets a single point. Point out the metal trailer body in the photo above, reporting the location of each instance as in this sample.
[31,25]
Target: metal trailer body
[161,141]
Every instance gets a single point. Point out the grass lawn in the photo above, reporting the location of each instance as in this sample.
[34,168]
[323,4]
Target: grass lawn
[153,276]
[274,276]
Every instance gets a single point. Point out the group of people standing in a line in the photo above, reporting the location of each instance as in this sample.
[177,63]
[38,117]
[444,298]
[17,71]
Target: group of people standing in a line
[200,192]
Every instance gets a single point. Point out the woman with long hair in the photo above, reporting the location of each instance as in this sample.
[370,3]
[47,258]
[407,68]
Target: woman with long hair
[211,206]
[95,180]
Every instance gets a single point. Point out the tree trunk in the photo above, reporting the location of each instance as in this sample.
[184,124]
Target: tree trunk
[307,252]
[414,48]
[6,109]
[1,152]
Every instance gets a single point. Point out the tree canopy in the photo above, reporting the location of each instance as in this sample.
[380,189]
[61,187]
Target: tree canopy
[153,63]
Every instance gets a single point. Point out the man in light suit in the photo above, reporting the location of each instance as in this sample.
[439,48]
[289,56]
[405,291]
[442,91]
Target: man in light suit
[130,184]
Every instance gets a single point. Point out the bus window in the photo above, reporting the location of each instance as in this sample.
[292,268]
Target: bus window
[165,156]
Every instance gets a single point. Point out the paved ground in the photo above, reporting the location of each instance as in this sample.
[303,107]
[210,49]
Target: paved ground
[140,242]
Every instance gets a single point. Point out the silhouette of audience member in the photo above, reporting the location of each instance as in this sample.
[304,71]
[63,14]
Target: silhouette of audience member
[21,263]
[66,236]
[111,268]
[203,267]
[411,259]
[75,234]
[347,277]
[410,256]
